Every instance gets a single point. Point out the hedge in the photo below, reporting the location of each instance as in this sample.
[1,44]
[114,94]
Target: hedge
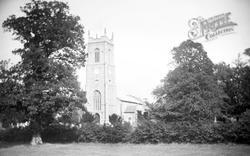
[145,132]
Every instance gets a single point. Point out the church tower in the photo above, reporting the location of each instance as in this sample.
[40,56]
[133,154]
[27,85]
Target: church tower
[100,78]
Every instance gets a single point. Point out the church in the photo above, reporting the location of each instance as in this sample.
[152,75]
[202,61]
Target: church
[101,85]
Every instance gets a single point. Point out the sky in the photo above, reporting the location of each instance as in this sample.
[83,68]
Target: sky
[145,32]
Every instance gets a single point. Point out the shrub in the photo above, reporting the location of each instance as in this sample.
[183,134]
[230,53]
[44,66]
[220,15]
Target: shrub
[89,132]
[243,132]
[87,118]
[115,119]
[148,132]
[181,132]
[237,132]
[200,132]
[59,133]
[16,135]
[113,134]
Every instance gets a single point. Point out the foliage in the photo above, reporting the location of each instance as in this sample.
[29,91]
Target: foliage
[15,135]
[114,119]
[192,57]
[196,91]
[189,92]
[236,132]
[91,132]
[59,133]
[112,134]
[200,132]
[236,84]
[242,128]
[247,52]
[87,118]
[54,134]
[180,132]
[53,47]
[11,108]
[186,132]
[148,132]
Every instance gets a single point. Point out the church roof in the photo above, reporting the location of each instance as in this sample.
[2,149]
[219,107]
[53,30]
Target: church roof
[130,109]
[131,99]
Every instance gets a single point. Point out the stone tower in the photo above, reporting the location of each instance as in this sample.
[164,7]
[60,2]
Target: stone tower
[100,78]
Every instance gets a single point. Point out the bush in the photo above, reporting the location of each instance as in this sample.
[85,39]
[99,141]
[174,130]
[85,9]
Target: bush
[148,132]
[115,119]
[243,132]
[180,132]
[113,134]
[16,135]
[53,133]
[196,132]
[237,132]
[91,132]
[202,132]
[59,133]
[87,118]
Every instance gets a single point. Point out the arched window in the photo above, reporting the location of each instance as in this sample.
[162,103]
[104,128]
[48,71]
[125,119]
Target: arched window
[97,55]
[97,100]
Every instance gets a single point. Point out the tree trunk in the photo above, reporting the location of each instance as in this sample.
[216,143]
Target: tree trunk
[215,119]
[36,140]
[36,129]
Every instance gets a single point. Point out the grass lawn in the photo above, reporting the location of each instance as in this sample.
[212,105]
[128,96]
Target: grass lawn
[95,149]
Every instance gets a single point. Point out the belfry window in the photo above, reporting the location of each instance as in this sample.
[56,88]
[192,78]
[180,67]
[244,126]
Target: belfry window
[97,55]
[97,100]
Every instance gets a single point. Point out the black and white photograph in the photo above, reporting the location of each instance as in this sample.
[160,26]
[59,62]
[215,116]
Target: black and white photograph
[124,77]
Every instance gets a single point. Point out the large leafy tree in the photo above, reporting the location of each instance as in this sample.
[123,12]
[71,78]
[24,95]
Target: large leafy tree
[53,48]
[190,92]
[235,82]
[242,82]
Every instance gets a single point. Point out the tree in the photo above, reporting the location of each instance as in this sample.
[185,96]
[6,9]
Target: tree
[192,57]
[242,81]
[189,92]
[235,83]
[53,47]
[225,77]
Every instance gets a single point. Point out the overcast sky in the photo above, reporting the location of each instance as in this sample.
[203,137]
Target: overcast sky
[145,31]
